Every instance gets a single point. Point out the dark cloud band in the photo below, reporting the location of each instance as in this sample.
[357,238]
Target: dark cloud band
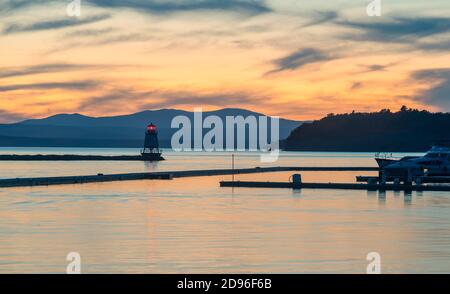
[299,59]
[438,93]
[53,24]
[78,85]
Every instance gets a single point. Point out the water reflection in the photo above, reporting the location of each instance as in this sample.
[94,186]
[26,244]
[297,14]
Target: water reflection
[191,225]
[151,165]
[371,193]
[382,197]
[408,198]
[296,193]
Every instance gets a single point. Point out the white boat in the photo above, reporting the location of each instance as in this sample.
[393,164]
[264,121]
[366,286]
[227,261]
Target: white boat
[385,159]
[435,162]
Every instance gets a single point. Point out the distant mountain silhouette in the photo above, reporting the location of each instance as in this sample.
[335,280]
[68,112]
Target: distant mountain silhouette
[76,130]
[406,130]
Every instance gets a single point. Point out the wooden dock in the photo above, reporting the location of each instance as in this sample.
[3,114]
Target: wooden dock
[344,186]
[47,181]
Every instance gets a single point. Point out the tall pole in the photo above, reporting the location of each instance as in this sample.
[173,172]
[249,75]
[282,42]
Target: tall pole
[232,166]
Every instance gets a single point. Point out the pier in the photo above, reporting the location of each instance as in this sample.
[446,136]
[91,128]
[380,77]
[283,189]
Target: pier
[166,175]
[423,179]
[70,157]
[344,186]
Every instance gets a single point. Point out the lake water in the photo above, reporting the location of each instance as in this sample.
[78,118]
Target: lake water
[191,225]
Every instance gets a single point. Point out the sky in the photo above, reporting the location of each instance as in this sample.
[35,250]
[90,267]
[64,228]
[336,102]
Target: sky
[296,59]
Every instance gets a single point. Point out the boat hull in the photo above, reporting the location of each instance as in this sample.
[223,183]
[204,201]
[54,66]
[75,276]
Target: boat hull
[383,162]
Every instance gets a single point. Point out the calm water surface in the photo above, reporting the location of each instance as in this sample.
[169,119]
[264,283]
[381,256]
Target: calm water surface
[193,226]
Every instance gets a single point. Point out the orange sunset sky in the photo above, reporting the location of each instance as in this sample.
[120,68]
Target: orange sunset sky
[296,59]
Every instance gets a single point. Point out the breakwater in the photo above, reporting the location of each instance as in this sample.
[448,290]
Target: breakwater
[46,181]
[70,157]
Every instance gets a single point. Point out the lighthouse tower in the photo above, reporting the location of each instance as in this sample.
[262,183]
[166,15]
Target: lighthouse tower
[151,151]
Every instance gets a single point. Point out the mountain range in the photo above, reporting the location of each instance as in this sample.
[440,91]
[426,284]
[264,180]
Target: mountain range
[77,130]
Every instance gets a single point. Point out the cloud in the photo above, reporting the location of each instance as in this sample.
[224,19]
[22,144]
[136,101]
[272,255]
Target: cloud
[437,46]
[111,99]
[7,72]
[53,24]
[398,29]
[12,5]
[108,40]
[132,37]
[250,7]
[438,93]
[173,6]
[356,85]
[9,117]
[215,98]
[78,85]
[161,98]
[322,17]
[89,32]
[376,67]
[299,59]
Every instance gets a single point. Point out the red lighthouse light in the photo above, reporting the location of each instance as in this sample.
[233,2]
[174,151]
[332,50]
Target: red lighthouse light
[151,128]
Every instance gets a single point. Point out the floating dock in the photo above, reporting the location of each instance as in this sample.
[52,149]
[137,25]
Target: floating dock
[47,181]
[424,179]
[70,157]
[344,186]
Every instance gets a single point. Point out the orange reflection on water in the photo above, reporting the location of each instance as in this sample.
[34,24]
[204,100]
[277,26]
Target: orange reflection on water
[191,225]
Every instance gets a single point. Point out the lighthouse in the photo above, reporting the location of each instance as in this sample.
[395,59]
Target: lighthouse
[151,151]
